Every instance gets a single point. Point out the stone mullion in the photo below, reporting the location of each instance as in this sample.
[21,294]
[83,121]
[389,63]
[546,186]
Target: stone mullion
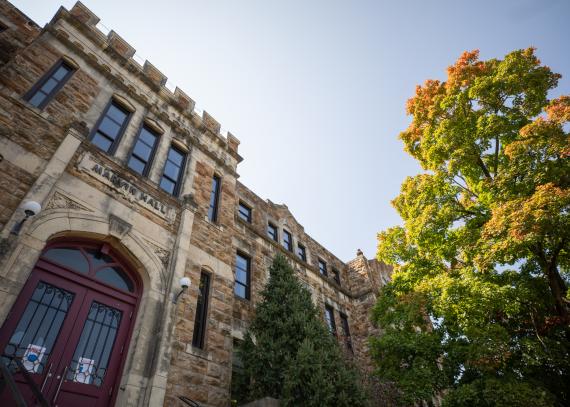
[156,390]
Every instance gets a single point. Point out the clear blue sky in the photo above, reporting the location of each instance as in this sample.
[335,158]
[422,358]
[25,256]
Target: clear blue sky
[316,90]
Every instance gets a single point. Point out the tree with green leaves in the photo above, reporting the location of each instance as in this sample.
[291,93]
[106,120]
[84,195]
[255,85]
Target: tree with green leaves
[289,354]
[477,312]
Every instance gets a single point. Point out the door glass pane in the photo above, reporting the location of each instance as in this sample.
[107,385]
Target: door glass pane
[93,351]
[116,277]
[38,328]
[68,256]
[98,258]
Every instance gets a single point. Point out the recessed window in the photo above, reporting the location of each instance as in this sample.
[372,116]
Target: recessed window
[272,232]
[3,27]
[302,252]
[143,151]
[336,275]
[329,318]
[244,212]
[46,88]
[214,199]
[242,276]
[111,127]
[201,311]
[173,170]
[346,332]
[287,240]
[323,268]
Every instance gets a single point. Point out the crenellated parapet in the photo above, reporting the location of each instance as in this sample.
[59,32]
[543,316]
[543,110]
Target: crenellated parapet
[116,47]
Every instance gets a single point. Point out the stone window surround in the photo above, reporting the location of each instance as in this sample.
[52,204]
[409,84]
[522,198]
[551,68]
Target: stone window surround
[248,205]
[63,60]
[248,291]
[182,149]
[122,102]
[124,146]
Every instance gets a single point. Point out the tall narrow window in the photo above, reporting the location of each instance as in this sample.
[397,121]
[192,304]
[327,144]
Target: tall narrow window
[143,151]
[173,170]
[214,199]
[111,127]
[302,252]
[323,268]
[336,275]
[329,318]
[244,212]
[201,312]
[346,332]
[46,88]
[287,240]
[272,232]
[242,276]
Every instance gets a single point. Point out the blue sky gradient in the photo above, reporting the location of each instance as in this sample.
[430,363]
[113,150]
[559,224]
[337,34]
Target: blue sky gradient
[316,90]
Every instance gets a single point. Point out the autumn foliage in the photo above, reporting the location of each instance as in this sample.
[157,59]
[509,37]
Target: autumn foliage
[478,309]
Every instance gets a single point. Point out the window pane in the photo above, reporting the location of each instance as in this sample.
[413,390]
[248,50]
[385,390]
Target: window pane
[49,85]
[68,257]
[61,72]
[109,127]
[38,98]
[116,114]
[147,137]
[116,277]
[171,170]
[240,290]
[102,142]
[167,185]
[142,151]
[176,157]
[241,276]
[241,262]
[136,164]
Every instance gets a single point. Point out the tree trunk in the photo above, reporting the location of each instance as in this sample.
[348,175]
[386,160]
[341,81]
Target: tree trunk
[558,289]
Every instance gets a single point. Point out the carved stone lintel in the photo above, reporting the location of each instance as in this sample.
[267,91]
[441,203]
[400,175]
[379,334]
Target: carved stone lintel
[118,227]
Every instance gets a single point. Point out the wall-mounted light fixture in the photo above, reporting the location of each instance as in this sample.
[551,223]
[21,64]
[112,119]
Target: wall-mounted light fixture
[184,284]
[30,208]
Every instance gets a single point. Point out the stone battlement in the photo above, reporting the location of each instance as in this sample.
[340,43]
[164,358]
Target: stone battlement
[113,44]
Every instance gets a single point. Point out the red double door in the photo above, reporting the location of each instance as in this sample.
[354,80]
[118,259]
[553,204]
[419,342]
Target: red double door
[71,333]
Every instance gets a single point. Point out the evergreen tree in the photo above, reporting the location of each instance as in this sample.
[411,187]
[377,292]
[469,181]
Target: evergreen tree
[288,353]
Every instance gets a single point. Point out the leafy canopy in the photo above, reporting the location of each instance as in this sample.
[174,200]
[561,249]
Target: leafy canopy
[289,354]
[478,309]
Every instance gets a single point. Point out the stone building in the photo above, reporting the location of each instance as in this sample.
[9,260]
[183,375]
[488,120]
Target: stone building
[137,190]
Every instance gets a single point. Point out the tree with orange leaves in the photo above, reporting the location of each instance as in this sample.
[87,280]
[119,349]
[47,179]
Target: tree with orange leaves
[484,251]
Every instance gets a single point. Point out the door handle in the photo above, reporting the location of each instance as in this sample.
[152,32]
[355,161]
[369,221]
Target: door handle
[46,378]
[59,385]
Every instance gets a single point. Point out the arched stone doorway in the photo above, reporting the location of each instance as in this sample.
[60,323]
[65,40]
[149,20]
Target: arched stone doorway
[71,323]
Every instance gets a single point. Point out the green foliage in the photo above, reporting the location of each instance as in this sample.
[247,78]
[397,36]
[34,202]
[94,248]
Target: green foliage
[478,309]
[289,354]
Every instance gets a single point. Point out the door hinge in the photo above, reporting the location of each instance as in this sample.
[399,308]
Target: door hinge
[111,390]
[122,347]
[131,315]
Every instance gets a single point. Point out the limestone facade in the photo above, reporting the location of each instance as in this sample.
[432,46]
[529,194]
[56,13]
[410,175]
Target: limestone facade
[47,155]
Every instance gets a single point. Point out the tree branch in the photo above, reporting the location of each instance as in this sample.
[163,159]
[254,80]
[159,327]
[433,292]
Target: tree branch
[497,144]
